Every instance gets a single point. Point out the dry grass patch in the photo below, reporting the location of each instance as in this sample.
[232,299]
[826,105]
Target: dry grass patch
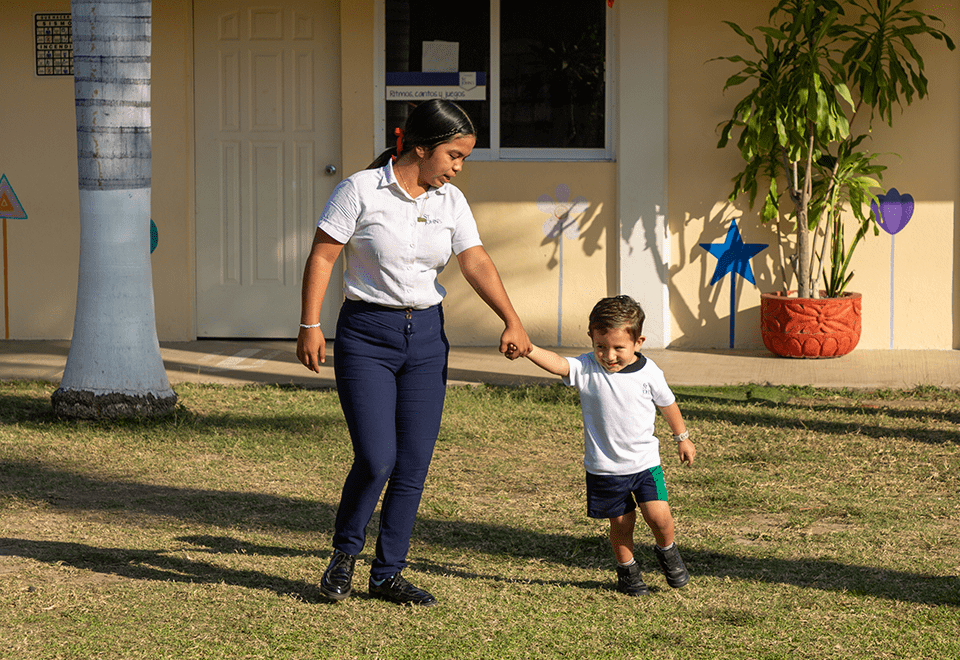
[816,524]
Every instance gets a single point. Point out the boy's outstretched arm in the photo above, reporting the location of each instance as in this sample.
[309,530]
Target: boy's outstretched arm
[685,448]
[549,361]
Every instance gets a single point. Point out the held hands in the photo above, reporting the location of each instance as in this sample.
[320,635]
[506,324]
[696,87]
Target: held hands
[311,348]
[512,352]
[515,343]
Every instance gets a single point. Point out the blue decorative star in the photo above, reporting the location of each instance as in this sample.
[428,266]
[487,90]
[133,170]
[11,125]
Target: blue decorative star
[733,255]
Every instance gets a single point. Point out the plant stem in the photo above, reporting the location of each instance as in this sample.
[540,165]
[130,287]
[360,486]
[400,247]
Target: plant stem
[804,242]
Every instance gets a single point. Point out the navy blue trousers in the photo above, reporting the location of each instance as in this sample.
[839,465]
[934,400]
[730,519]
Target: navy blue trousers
[391,371]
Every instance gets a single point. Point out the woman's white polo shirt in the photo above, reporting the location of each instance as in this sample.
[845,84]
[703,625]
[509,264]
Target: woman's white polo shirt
[396,246]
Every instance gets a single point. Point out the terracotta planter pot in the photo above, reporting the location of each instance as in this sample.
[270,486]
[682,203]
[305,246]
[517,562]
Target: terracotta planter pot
[809,327]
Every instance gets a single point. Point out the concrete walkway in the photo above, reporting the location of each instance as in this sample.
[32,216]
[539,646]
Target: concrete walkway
[274,361]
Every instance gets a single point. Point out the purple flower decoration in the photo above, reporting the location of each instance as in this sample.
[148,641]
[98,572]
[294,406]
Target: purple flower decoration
[894,212]
[562,220]
[562,213]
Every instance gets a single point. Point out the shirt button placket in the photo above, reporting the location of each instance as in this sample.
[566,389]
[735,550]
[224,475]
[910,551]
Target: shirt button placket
[413,230]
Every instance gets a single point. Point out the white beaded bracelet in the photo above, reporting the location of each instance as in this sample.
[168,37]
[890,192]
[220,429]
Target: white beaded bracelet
[683,436]
[304,325]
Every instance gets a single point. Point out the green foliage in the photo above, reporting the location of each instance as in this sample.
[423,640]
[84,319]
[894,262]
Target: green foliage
[815,68]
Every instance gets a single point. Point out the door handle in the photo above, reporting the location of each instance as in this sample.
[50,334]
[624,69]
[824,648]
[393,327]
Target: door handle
[330,169]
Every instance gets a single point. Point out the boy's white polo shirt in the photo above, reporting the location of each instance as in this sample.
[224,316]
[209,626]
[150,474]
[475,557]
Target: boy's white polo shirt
[396,246]
[619,410]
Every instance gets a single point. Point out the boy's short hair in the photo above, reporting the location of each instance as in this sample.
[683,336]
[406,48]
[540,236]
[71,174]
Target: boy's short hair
[617,312]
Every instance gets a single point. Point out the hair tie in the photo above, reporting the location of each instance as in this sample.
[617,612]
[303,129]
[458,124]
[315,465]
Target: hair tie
[399,133]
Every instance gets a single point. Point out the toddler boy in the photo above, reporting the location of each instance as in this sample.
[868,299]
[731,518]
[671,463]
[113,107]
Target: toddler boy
[620,390]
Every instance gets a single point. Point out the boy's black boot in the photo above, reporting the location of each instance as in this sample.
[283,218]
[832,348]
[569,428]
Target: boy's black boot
[336,581]
[629,581]
[672,565]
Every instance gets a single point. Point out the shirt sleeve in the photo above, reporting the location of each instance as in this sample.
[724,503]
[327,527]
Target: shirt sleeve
[662,395]
[465,232]
[576,371]
[341,212]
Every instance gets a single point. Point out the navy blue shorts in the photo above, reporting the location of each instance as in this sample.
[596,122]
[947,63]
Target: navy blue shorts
[615,495]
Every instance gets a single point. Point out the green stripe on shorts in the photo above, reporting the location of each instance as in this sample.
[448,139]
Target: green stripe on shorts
[657,473]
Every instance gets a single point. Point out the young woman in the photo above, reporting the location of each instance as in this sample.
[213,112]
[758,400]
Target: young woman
[397,222]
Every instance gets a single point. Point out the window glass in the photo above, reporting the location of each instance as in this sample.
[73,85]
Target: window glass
[552,74]
[410,23]
[550,99]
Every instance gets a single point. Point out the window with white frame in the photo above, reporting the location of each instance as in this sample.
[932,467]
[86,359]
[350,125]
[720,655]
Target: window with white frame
[531,74]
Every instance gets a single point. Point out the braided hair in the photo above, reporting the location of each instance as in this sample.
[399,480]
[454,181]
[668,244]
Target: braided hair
[431,124]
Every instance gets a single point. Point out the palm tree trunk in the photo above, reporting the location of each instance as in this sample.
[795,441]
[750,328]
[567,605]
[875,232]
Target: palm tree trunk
[114,368]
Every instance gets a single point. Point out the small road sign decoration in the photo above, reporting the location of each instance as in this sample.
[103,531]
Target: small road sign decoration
[11,208]
[9,204]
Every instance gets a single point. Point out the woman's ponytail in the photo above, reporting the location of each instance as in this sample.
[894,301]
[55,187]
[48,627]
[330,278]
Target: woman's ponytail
[431,124]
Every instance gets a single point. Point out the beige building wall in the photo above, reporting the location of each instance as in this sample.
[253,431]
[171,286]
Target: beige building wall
[172,199]
[38,126]
[552,286]
[38,154]
[553,295]
[923,296]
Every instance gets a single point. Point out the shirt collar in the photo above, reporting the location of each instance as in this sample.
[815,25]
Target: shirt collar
[634,366]
[388,178]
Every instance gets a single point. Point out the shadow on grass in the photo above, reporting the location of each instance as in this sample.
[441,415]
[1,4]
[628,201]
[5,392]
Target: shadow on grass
[220,545]
[768,406]
[33,411]
[860,420]
[740,406]
[594,551]
[19,408]
[161,565]
[829,576]
[804,574]
[69,491]
[154,565]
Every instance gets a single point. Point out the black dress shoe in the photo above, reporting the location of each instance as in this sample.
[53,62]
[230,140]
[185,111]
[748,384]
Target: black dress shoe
[335,583]
[397,590]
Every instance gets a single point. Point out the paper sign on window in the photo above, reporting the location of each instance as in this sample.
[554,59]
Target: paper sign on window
[441,56]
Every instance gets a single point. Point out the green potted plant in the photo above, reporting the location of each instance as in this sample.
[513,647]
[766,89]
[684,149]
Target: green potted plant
[819,67]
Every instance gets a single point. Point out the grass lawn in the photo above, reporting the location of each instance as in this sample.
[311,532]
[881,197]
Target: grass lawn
[815,524]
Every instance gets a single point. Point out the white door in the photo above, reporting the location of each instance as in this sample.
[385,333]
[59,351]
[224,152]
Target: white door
[268,156]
